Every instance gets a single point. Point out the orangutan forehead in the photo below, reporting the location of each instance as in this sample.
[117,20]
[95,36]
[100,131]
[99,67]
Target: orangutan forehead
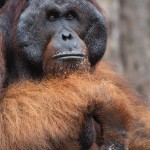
[59,2]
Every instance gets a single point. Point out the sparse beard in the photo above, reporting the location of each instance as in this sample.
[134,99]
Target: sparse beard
[63,68]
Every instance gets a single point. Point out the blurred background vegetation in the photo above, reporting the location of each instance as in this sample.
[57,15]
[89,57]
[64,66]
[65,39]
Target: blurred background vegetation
[129,43]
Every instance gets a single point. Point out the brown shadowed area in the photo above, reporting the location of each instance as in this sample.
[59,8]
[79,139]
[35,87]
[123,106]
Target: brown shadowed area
[2,65]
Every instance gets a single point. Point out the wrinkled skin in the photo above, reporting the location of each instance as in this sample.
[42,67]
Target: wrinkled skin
[44,22]
[52,37]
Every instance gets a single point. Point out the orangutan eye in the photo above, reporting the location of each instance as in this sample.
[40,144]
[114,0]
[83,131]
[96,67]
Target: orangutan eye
[70,16]
[52,16]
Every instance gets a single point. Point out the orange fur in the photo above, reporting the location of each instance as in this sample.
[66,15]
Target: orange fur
[50,114]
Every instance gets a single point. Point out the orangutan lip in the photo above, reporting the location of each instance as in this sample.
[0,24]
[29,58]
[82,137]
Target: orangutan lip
[69,56]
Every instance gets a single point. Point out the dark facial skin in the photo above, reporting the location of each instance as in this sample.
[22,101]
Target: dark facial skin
[68,34]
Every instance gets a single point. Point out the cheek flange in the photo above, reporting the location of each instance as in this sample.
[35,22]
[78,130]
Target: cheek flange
[31,35]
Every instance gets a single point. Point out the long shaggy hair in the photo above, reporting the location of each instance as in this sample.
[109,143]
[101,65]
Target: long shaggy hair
[50,114]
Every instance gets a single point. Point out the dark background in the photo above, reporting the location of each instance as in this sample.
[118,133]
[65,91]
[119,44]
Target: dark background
[129,43]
